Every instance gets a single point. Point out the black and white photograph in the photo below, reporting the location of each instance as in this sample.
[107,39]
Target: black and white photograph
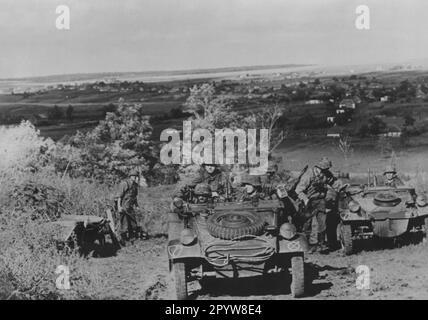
[235,151]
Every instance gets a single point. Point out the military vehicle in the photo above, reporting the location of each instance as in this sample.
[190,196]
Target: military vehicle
[234,239]
[371,210]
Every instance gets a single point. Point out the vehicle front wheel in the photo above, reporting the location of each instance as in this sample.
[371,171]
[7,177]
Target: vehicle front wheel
[180,280]
[426,228]
[297,276]
[346,238]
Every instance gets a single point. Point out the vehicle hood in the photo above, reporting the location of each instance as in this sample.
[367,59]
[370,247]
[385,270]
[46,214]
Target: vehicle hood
[380,211]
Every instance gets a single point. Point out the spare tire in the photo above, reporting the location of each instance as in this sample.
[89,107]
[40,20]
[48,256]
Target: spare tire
[386,199]
[230,225]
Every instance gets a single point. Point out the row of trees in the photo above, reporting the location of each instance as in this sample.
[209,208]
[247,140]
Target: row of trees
[58,113]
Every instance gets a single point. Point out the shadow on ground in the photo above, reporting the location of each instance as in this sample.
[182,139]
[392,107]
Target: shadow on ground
[269,285]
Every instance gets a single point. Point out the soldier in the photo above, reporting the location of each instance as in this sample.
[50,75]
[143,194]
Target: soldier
[210,174]
[271,180]
[312,191]
[251,188]
[202,193]
[126,200]
[391,178]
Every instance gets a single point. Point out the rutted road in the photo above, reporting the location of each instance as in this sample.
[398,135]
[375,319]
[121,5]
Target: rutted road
[140,271]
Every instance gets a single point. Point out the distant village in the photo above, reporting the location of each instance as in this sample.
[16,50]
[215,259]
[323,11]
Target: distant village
[312,100]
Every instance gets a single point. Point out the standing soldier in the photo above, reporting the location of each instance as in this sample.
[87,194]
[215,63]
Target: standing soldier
[312,191]
[126,199]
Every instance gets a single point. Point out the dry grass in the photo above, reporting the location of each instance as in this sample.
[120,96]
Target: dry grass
[29,255]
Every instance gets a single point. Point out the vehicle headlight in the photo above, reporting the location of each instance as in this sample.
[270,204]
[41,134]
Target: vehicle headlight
[421,201]
[287,231]
[354,206]
[187,237]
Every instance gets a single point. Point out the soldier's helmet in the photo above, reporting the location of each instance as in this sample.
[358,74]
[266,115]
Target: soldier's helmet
[134,172]
[251,180]
[203,189]
[214,167]
[389,169]
[324,164]
[273,167]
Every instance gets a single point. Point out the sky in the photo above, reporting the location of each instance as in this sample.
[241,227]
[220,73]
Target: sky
[145,35]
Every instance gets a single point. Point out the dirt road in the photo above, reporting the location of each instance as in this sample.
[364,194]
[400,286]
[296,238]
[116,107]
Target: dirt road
[140,271]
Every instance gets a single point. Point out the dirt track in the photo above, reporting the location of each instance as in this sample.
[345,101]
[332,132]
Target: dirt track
[140,271]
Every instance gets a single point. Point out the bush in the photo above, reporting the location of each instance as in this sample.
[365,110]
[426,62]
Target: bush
[29,259]
[23,148]
[44,201]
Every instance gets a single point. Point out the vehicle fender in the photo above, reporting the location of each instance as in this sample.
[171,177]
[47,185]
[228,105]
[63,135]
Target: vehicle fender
[297,244]
[175,249]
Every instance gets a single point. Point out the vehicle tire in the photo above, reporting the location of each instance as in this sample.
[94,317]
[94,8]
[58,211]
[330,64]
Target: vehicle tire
[230,225]
[346,238]
[297,277]
[180,276]
[426,228]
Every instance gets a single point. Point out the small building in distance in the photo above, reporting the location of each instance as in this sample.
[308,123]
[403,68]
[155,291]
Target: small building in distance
[347,104]
[334,132]
[314,101]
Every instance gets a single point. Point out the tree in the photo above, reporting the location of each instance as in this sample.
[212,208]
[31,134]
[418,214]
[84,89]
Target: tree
[69,112]
[385,146]
[118,144]
[212,111]
[109,108]
[364,130]
[56,113]
[408,120]
[344,146]
[209,110]
[376,125]
[269,119]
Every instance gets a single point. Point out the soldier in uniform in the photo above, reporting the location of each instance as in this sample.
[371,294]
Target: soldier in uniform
[210,174]
[126,200]
[270,181]
[251,188]
[202,193]
[391,178]
[312,190]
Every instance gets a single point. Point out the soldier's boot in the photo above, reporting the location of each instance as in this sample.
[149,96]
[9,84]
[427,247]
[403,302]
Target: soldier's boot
[123,238]
[322,245]
[313,247]
[140,233]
